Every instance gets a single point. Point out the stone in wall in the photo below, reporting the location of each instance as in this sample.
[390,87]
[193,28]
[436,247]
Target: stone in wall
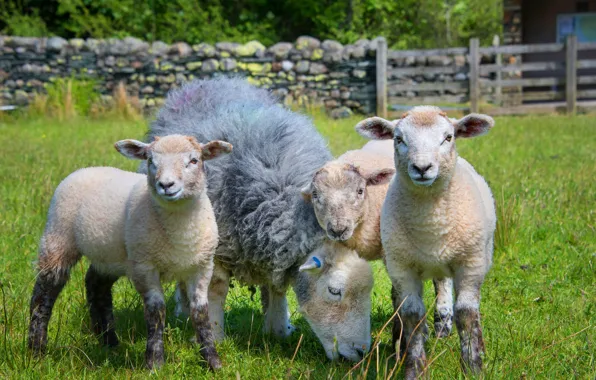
[306,72]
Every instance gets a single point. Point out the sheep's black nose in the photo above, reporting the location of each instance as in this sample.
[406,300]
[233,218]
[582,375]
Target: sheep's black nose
[360,352]
[422,169]
[165,185]
[336,232]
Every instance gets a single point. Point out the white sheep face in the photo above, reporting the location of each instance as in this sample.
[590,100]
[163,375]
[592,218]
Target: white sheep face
[424,141]
[334,293]
[175,164]
[338,193]
[424,152]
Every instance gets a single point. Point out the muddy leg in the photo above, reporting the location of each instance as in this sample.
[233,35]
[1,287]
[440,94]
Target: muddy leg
[99,298]
[56,258]
[146,281]
[197,291]
[444,307]
[47,288]
[414,331]
[467,319]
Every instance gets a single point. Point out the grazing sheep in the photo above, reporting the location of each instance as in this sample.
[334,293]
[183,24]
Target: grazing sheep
[348,194]
[438,220]
[151,228]
[269,235]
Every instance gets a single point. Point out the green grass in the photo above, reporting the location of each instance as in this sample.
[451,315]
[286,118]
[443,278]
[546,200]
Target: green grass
[538,301]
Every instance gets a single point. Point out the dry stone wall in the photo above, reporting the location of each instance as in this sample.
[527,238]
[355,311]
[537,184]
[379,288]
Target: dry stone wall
[342,77]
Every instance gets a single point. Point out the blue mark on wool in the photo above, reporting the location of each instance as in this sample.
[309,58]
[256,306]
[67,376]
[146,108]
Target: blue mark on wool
[317,261]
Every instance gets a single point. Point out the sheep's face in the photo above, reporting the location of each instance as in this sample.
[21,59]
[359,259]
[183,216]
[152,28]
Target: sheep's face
[333,290]
[424,141]
[338,193]
[174,164]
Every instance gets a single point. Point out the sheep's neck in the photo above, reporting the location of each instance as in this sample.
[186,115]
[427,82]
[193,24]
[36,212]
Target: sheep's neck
[178,217]
[425,212]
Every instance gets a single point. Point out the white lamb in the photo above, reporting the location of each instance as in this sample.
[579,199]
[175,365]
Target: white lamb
[438,221]
[151,228]
[347,196]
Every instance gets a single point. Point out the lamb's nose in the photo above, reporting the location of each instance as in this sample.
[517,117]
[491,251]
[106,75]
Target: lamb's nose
[336,232]
[166,185]
[421,169]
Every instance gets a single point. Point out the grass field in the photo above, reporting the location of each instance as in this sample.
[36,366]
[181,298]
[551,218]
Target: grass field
[538,302]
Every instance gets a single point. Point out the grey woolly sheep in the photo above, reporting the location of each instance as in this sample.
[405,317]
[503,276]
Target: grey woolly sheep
[269,236]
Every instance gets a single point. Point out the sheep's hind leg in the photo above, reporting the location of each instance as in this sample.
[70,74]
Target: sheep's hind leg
[99,298]
[277,319]
[55,260]
[411,331]
[146,281]
[467,319]
[218,292]
[198,294]
[444,307]
[182,309]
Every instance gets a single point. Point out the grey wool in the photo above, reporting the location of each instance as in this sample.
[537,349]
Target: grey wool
[266,228]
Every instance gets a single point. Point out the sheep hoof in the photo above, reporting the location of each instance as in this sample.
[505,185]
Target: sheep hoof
[214,363]
[154,360]
[443,325]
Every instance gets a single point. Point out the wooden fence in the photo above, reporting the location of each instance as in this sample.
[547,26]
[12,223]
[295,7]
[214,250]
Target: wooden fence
[510,79]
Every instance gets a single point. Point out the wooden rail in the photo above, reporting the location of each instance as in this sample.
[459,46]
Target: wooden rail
[493,74]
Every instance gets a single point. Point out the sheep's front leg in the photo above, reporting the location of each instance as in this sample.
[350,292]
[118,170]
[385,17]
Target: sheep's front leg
[146,281]
[99,298]
[444,307]
[411,331]
[197,292]
[277,319]
[467,318]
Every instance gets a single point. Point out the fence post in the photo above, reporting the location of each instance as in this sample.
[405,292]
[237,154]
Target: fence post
[499,61]
[474,61]
[571,79]
[382,77]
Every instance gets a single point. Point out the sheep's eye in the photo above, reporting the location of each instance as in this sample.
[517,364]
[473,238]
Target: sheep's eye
[314,194]
[360,191]
[449,138]
[399,140]
[334,291]
[150,161]
[194,161]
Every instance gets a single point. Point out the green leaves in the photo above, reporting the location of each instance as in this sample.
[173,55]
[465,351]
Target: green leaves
[407,24]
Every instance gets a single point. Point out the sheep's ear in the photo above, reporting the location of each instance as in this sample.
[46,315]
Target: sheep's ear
[215,149]
[306,193]
[132,149]
[376,128]
[473,125]
[380,177]
[313,264]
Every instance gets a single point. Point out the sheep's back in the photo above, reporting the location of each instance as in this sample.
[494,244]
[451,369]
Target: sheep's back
[95,201]
[255,190]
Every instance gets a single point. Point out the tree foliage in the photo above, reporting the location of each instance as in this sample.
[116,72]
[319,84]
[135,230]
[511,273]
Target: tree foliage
[405,23]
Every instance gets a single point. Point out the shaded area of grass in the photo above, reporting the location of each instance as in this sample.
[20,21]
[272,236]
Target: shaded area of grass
[539,300]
